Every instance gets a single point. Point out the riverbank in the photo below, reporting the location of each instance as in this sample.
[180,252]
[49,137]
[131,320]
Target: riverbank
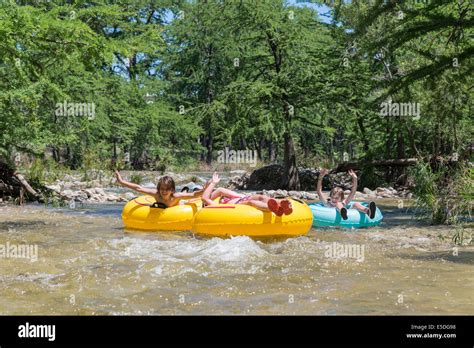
[101,187]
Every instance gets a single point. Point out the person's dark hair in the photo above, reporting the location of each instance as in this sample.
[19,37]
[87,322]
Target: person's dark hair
[337,191]
[166,181]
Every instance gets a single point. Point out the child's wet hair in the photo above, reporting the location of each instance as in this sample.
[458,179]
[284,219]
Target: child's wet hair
[166,181]
[337,191]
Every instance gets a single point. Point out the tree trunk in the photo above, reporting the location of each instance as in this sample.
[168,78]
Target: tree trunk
[202,141]
[210,147]
[365,139]
[291,177]
[259,145]
[271,151]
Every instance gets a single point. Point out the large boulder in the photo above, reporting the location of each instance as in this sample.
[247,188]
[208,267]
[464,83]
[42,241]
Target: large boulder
[266,178]
[271,178]
[309,177]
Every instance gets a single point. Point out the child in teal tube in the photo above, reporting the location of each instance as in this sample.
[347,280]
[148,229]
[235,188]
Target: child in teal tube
[336,197]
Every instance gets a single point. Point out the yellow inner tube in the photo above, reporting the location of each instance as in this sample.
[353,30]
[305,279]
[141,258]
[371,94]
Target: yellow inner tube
[245,220]
[217,220]
[137,214]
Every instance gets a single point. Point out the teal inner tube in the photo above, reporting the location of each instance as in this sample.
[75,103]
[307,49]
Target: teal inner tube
[330,217]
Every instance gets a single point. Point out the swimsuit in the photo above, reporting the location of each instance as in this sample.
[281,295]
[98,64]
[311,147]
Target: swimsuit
[225,200]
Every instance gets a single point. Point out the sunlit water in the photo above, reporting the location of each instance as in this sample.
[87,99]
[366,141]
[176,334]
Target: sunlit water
[88,264]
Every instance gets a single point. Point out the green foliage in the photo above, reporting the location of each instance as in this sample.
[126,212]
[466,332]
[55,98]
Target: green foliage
[173,82]
[445,194]
[41,171]
[136,178]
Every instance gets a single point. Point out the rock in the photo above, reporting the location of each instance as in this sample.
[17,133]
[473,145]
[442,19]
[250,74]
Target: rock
[367,191]
[347,192]
[281,193]
[80,196]
[409,195]
[55,188]
[69,178]
[311,196]
[239,182]
[67,193]
[100,191]
[270,177]
[266,178]
[89,192]
[97,183]
[129,196]
[99,198]
[269,193]
[239,172]
[340,180]
[309,177]
[295,194]
[66,186]
[112,197]
[379,190]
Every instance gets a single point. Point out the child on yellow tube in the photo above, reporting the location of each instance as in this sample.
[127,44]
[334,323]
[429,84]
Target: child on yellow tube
[165,191]
[277,206]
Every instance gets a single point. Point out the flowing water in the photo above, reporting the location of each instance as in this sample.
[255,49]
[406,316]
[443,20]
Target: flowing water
[86,263]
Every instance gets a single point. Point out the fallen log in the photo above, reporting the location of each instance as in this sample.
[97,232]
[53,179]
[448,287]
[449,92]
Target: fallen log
[345,166]
[25,184]
[14,184]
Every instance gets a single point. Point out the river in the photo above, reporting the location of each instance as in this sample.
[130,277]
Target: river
[86,263]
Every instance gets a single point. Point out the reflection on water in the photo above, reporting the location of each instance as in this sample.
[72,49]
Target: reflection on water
[87,264]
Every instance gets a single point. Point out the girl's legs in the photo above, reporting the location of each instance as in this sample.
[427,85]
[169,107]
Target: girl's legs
[278,206]
[342,210]
[206,195]
[370,210]
[223,192]
[257,204]
[360,208]
[210,194]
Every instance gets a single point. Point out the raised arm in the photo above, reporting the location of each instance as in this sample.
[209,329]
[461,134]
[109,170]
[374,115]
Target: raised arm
[133,186]
[319,186]
[354,186]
